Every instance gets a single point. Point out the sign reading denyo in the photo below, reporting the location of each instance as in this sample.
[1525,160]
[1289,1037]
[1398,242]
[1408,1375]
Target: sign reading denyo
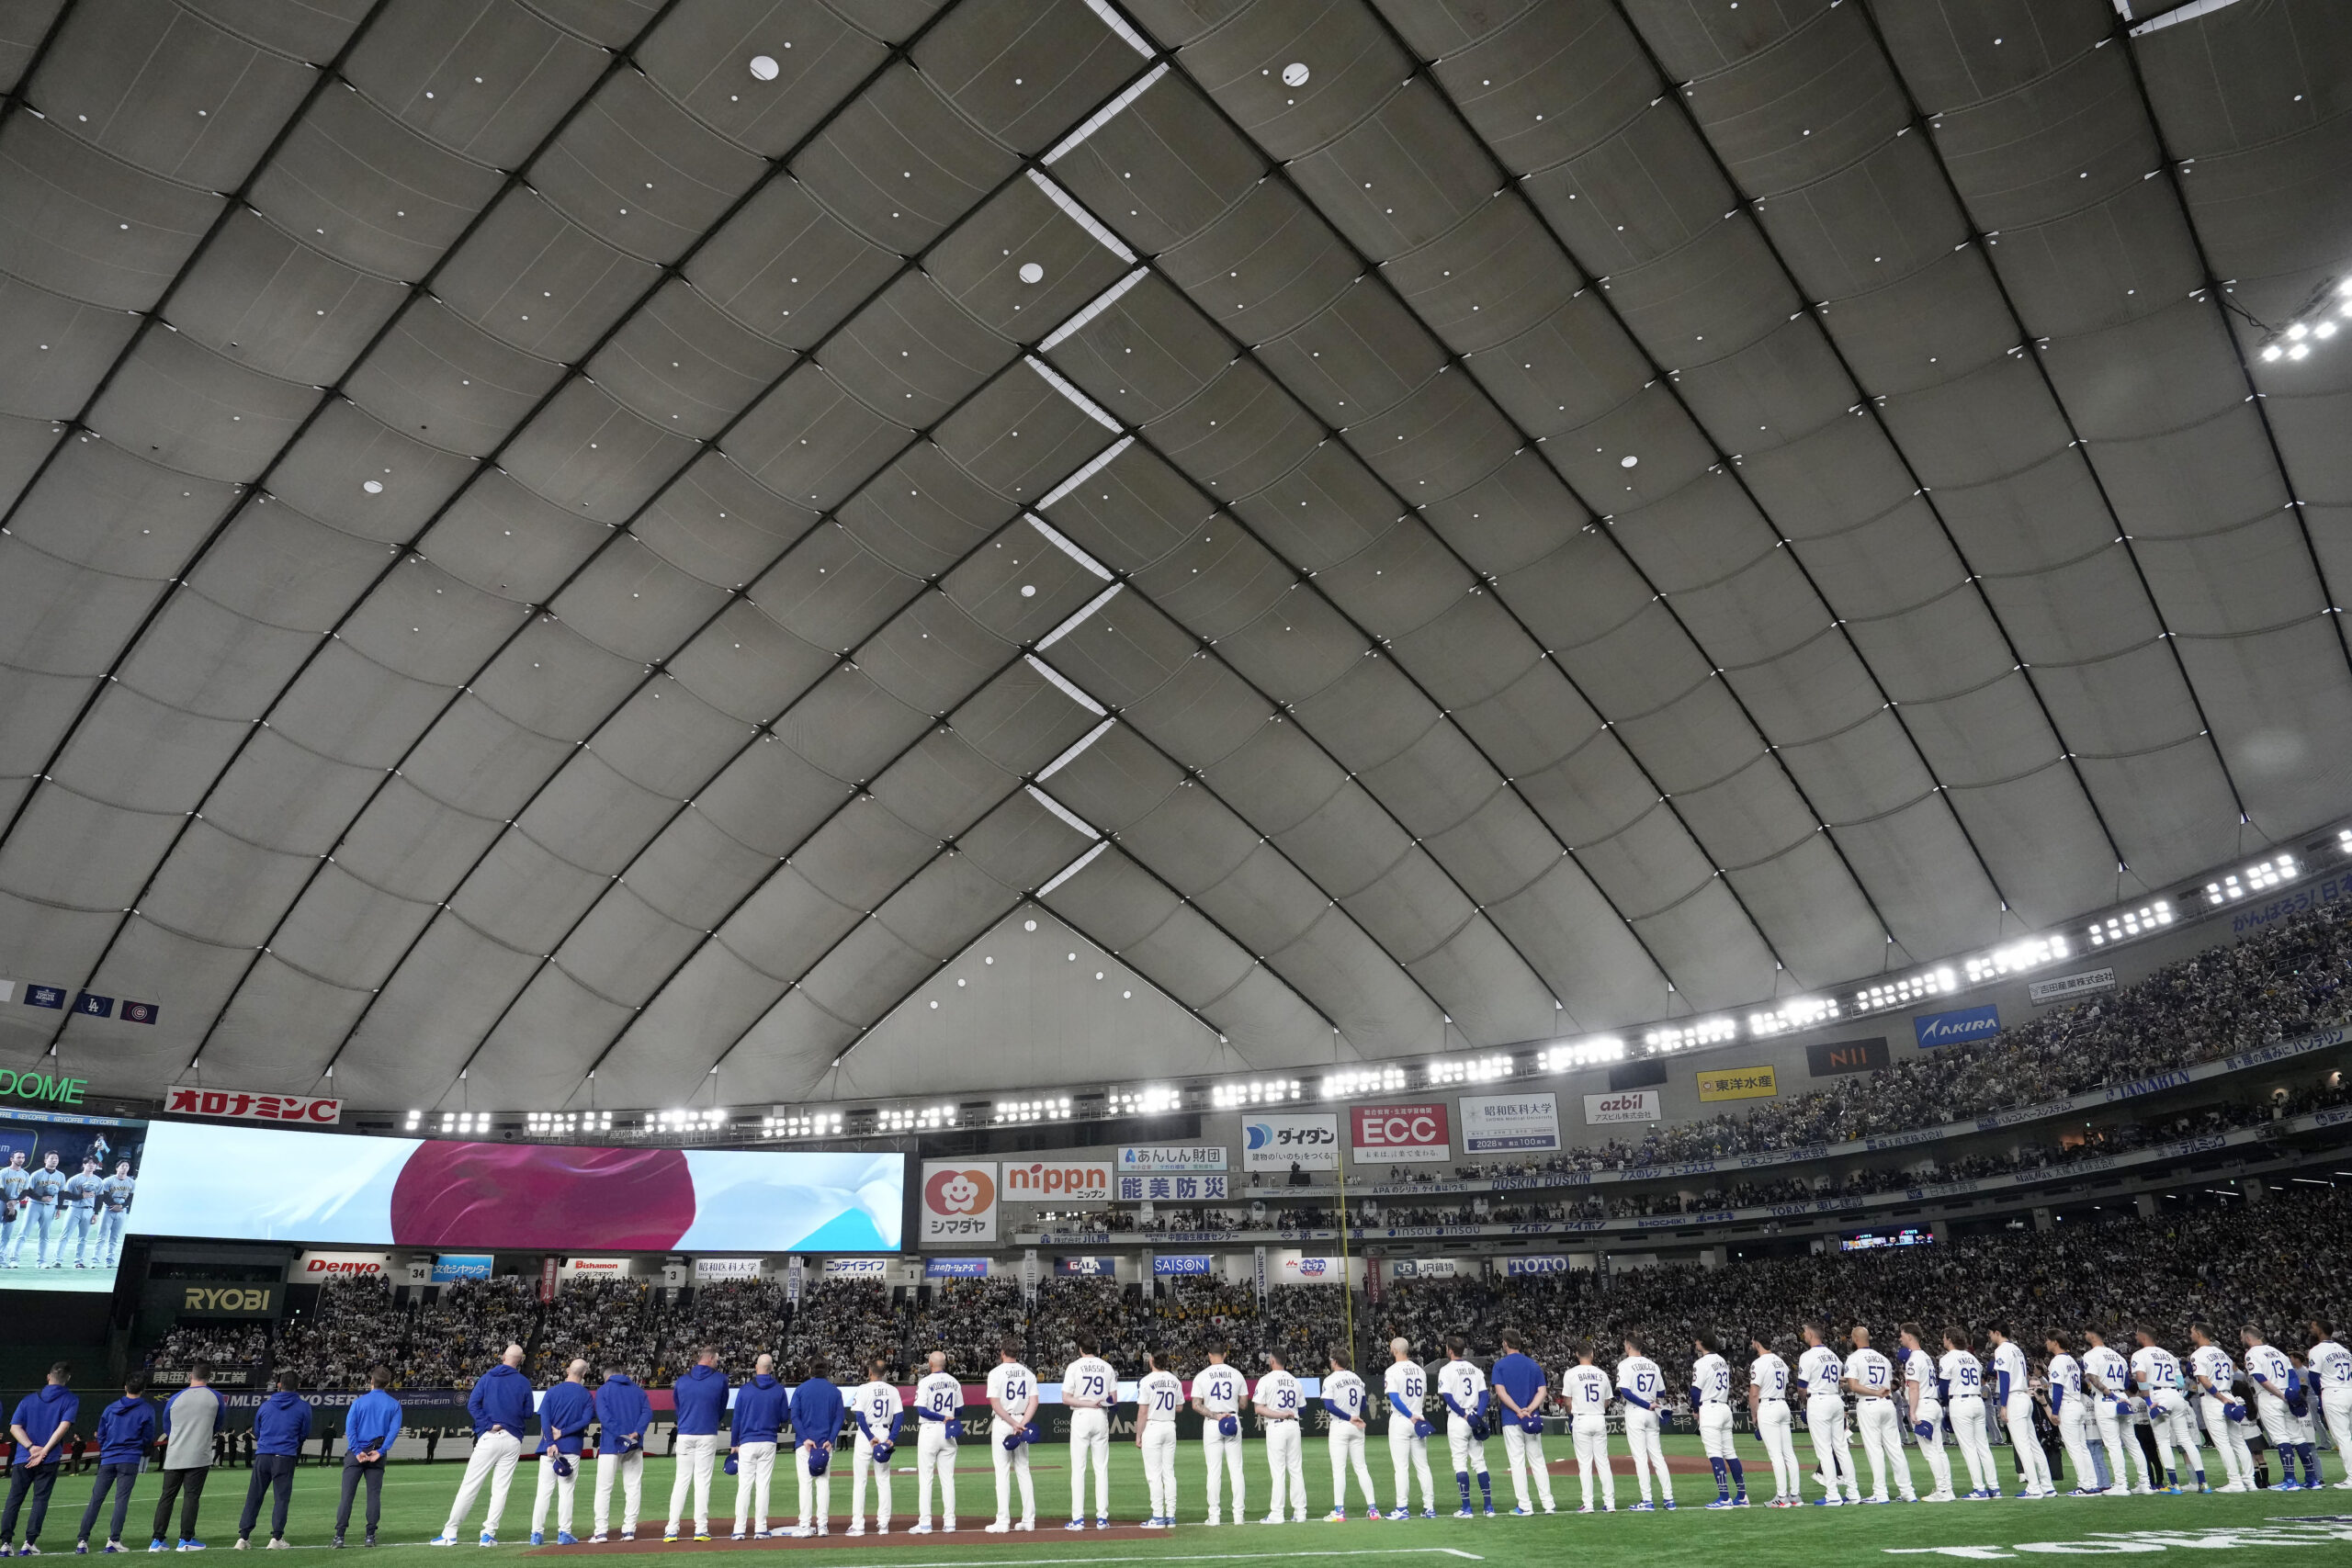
[317,1266]
[1936,1029]
[1276,1143]
[1495,1123]
[958,1203]
[1623,1105]
[448,1268]
[1407,1134]
[1156,1157]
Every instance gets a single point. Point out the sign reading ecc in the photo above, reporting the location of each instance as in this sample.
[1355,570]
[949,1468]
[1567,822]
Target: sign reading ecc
[1401,1132]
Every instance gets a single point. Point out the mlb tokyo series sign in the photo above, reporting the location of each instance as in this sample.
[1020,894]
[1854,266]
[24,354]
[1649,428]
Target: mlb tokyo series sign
[1400,1134]
[1624,1105]
[958,1203]
[1043,1180]
[1156,1157]
[1936,1029]
[1276,1143]
[1496,1124]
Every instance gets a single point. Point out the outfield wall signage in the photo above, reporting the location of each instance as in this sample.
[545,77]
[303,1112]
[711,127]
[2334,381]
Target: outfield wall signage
[1182,1263]
[1936,1029]
[1051,1181]
[1277,1143]
[1623,1105]
[1411,1133]
[1510,1124]
[1214,1187]
[1738,1083]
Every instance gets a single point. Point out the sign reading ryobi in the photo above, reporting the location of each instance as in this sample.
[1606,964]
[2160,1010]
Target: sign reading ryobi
[1059,1178]
[1411,1133]
[1936,1029]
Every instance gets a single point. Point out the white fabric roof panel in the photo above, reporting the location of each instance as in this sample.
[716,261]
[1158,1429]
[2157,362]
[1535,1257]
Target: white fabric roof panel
[1953,563]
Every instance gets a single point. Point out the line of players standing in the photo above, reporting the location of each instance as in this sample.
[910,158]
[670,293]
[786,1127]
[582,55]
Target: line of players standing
[34,1199]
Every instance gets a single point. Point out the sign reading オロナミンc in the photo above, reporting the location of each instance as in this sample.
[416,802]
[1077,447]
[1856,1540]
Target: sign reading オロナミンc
[251,1105]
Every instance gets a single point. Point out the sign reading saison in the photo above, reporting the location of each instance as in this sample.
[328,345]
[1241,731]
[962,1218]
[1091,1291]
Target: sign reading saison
[1411,1133]
[958,1201]
[1737,1083]
[1846,1056]
[1495,1123]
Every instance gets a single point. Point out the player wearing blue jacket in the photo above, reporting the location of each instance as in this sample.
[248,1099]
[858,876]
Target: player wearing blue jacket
[758,1418]
[565,1411]
[1523,1389]
[623,1416]
[43,1421]
[701,1396]
[501,1406]
[126,1432]
[816,1408]
[371,1427]
[280,1428]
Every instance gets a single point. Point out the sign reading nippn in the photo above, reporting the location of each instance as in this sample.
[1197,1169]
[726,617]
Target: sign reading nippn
[1066,1179]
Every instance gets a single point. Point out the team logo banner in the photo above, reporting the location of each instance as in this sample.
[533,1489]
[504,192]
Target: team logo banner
[249,1105]
[1524,1267]
[1277,1143]
[1936,1029]
[1157,1158]
[1042,1181]
[1212,1188]
[1394,1134]
[1738,1083]
[1625,1105]
[1496,1124]
[958,1201]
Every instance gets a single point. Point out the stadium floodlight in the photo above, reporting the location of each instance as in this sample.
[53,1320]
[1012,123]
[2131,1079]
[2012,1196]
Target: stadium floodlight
[2314,322]
[1051,1108]
[1905,991]
[2344,840]
[1253,1091]
[802,1124]
[2015,958]
[414,1118]
[2262,873]
[1354,1081]
[1797,1012]
[1472,1069]
[1581,1054]
[1152,1100]
[914,1119]
[2131,923]
[1701,1031]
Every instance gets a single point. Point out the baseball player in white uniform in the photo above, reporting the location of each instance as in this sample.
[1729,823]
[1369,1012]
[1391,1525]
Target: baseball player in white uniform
[1643,1387]
[1160,1395]
[2274,1381]
[1962,1376]
[937,1399]
[2069,1408]
[1824,1375]
[877,1411]
[1089,1387]
[2216,1377]
[1216,1399]
[1767,1406]
[1278,1400]
[2157,1372]
[1343,1401]
[1585,1390]
[1923,1397]
[1711,1397]
[2108,1377]
[1406,1389]
[2015,1389]
[1463,1388]
[2331,1366]
[1012,1404]
[1869,1376]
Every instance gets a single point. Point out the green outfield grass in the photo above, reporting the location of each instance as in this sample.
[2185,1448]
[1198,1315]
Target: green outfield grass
[417,1496]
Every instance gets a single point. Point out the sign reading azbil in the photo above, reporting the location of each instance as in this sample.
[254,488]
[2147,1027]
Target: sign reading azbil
[248,1105]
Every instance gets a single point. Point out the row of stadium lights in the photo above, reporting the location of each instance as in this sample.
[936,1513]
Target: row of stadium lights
[1355,1083]
[2317,323]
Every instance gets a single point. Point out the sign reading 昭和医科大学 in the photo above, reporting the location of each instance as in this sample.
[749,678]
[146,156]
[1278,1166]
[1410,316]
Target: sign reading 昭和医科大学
[1738,1083]
[41,1088]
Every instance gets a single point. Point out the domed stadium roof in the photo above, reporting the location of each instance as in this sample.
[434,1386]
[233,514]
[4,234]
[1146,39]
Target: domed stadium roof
[626,536]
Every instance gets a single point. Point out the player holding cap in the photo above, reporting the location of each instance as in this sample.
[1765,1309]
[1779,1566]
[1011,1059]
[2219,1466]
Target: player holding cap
[565,1411]
[2274,1383]
[1823,1374]
[2216,1377]
[1963,1379]
[1407,1387]
[2070,1410]
[1522,1390]
[816,1413]
[1216,1399]
[2015,1389]
[1871,1377]
[1463,1388]
[2332,1366]
[1586,1390]
[1343,1401]
[1012,1404]
[1923,1393]
[751,1442]
[876,1410]
[623,1412]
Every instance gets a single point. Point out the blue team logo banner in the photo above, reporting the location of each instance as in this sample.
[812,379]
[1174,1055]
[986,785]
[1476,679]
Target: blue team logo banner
[1101,1268]
[92,1005]
[44,997]
[1173,1189]
[1945,1028]
[1518,1267]
[955,1267]
[450,1266]
[1167,1263]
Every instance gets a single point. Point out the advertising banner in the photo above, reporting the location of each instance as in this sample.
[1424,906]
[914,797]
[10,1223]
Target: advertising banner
[276,1184]
[1212,1189]
[1304,1271]
[1394,1134]
[315,1267]
[1847,1057]
[1936,1029]
[1182,1264]
[1623,1105]
[714,1271]
[1426,1268]
[1257,1269]
[955,1267]
[855,1268]
[1149,1157]
[1092,1268]
[1277,1143]
[598,1268]
[958,1201]
[1054,1180]
[190,1300]
[1737,1083]
[1029,1274]
[251,1105]
[448,1268]
[1498,1123]
[2070,987]
[547,1266]
[794,1278]
[1526,1268]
